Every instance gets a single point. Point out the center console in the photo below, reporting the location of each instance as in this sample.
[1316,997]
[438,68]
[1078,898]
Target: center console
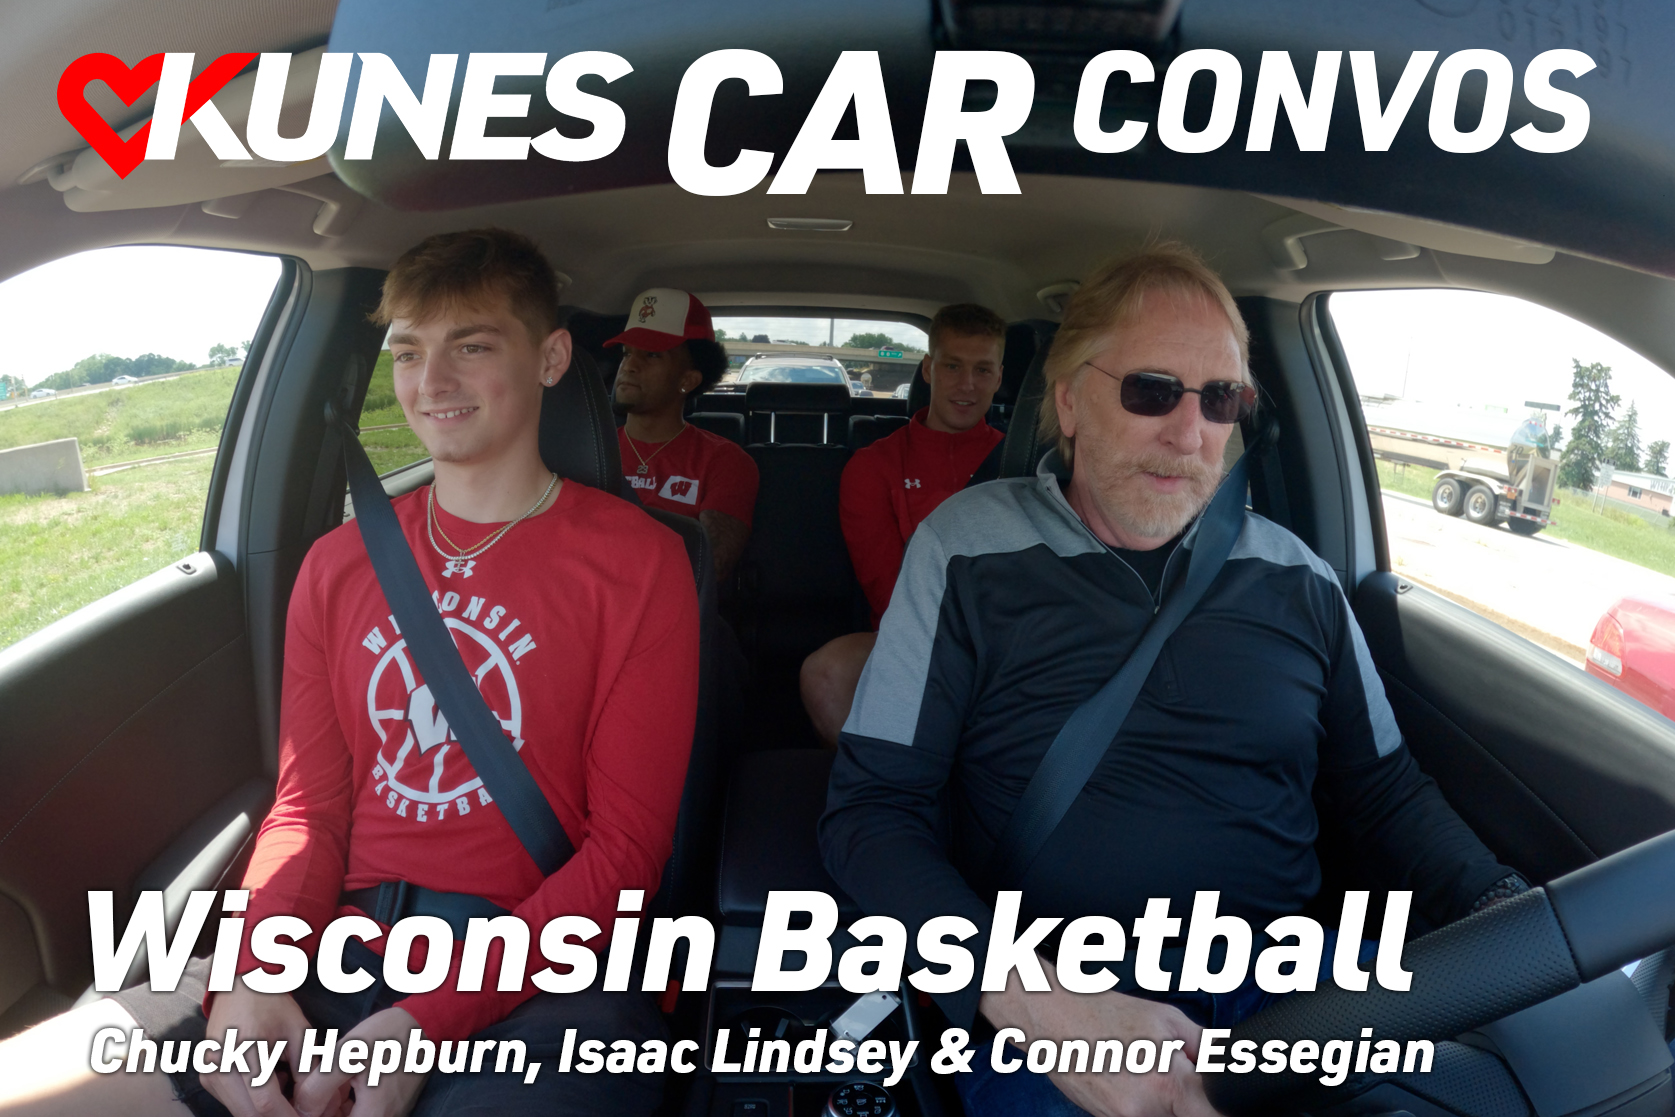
[781,1043]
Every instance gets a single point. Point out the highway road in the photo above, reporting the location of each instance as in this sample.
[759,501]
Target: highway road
[1540,586]
[93,389]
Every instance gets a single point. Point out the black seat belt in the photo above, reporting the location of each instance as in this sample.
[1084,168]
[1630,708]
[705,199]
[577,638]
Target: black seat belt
[474,725]
[1082,743]
[989,468]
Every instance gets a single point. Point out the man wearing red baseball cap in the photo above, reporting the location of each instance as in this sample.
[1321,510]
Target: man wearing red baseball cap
[669,353]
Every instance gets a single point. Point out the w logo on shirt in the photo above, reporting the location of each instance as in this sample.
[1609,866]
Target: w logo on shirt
[683,489]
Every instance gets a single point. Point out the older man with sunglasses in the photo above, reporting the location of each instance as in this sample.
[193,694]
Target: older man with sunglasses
[1019,599]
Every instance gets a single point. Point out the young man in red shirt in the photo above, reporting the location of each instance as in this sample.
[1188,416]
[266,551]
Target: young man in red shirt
[669,354]
[577,615]
[890,486]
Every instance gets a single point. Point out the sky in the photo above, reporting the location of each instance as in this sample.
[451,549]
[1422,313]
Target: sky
[1465,362]
[127,301]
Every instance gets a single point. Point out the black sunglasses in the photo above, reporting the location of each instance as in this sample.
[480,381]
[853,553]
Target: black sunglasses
[1155,393]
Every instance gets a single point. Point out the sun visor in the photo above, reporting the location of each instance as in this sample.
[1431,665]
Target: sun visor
[1398,237]
[197,174]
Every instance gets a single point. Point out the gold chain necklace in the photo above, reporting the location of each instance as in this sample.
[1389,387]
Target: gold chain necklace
[645,463]
[432,526]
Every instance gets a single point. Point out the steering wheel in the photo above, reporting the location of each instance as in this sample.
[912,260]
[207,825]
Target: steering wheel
[1504,959]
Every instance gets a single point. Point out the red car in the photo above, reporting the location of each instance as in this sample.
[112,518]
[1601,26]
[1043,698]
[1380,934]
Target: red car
[1633,649]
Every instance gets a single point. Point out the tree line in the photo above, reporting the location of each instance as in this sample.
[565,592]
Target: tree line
[102,368]
[1598,437]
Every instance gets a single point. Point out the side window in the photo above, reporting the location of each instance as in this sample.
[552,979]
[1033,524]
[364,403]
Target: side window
[112,400]
[389,441]
[1524,462]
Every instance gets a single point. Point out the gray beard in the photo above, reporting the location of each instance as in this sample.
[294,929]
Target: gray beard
[1150,515]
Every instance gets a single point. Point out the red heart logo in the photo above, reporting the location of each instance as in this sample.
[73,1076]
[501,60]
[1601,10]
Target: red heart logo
[128,84]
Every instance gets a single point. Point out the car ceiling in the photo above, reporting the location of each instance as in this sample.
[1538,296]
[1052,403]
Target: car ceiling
[903,254]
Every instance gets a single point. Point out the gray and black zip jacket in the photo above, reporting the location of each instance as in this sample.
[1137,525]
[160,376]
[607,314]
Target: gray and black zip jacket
[1007,616]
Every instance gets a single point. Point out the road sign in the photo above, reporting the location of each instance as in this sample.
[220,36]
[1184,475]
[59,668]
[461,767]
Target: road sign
[1542,406]
[891,353]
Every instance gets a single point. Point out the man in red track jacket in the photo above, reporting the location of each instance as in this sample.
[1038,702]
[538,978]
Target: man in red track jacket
[893,484]
[576,612]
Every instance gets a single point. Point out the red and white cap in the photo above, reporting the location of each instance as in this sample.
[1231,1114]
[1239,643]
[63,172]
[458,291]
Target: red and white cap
[662,318]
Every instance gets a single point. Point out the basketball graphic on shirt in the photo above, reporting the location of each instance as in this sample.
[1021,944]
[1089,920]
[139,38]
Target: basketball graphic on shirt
[420,756]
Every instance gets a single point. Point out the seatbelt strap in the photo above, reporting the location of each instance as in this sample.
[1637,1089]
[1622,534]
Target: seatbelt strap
[474,725]
[989,468]
[1082,743]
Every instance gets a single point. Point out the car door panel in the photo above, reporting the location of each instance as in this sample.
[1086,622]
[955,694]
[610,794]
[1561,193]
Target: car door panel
[125,722]
[1552,768]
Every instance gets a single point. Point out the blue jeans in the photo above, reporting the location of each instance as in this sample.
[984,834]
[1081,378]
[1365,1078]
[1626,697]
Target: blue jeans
[986,1092]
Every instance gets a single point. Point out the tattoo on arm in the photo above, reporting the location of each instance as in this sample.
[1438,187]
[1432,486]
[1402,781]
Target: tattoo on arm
[728,536]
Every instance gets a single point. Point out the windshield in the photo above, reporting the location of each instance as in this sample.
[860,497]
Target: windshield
[793,374]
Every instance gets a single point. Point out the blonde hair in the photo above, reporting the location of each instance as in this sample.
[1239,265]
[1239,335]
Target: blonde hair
[1115,295]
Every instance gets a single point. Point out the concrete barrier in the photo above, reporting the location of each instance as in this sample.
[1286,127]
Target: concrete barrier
[45,467]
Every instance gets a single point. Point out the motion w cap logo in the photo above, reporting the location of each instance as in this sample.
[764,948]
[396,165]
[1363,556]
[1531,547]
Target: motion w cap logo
[683,489]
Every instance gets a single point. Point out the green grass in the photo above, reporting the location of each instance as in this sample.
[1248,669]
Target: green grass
[1613,531]
[63,552]
[387,449]
[123,424]
[59,553]
[1414,480]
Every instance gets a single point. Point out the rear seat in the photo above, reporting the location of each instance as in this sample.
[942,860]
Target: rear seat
[1024,384]
[728,424]
[864,430]
[578,441]
[796,589]
[802,414]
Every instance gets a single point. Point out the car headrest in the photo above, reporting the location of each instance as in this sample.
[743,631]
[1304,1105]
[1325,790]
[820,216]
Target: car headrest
[578,431]
[1023,448]
[1025,341]
[590,331]
[919,392]
[797,397]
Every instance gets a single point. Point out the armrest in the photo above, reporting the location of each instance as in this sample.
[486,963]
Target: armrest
[774,802]
[205,856]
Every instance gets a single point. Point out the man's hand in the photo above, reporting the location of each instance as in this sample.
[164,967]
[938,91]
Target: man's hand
[258,1016]
[1060,1015]
[321,1095]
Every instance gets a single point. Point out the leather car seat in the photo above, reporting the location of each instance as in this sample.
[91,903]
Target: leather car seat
[578,441]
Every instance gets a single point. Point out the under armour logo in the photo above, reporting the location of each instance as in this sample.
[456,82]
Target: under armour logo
[911,482]
[462,567]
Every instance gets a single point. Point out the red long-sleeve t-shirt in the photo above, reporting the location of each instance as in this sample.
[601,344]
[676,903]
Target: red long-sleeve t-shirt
[581,627]
[893,484]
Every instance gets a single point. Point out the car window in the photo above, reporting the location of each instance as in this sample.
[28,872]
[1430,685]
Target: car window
[880,354]
[389,441]
[111,407]
[1523,459]
[792,374]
